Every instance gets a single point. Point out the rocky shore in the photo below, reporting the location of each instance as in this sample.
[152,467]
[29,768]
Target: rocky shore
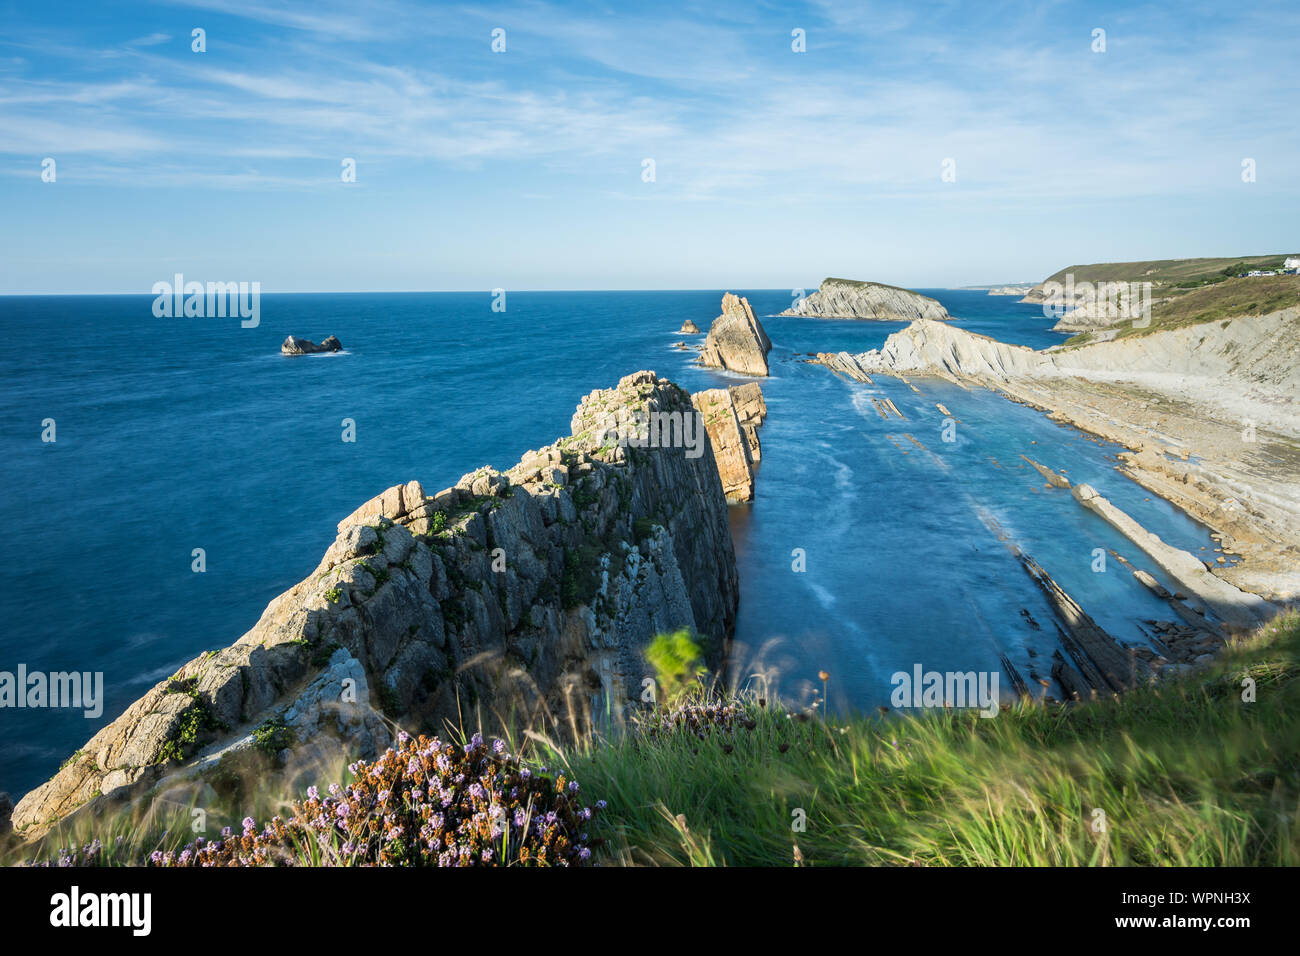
[1210,417]
[530,593]
[851,299]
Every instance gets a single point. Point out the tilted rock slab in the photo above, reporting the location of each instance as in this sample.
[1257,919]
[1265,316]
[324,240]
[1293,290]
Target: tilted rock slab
[531,593]
[736,340]
[731,418]
[1236,608]
[850,299]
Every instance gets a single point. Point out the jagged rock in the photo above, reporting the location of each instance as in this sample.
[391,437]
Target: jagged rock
[736,340]
[296,346]
[731,418]
[851,299]
[1053,478]
[532,592]
[690,328]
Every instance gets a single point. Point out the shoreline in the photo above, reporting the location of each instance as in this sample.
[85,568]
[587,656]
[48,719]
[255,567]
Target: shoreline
[1235,480]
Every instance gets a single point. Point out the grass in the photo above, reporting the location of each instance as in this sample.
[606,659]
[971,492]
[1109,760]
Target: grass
[1222,300]
[1228,299]
[1180,273]
[1183,773]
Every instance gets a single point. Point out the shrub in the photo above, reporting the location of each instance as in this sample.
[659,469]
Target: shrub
[677,661]
[422,803]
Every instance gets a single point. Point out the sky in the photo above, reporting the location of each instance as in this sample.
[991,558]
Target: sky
[636,146]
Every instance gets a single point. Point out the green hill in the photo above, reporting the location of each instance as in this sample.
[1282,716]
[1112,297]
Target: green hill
[1168,275]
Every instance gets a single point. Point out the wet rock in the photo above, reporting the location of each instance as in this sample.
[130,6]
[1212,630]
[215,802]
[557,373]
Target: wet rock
[296,346]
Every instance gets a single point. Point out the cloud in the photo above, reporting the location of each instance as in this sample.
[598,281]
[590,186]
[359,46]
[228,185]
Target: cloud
[153,39]
[729,112]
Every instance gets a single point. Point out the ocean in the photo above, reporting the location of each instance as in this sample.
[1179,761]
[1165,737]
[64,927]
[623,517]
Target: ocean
[177,434]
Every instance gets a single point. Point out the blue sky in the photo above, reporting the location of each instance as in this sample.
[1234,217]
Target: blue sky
[524,169]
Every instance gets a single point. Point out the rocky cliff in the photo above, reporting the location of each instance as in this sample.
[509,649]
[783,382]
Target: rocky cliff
[849,299]
[736,340]
[530,593]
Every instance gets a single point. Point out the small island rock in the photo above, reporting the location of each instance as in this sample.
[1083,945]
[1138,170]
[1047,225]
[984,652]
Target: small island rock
[296,346]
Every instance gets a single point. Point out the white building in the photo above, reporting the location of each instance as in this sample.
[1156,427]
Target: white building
[1292,262]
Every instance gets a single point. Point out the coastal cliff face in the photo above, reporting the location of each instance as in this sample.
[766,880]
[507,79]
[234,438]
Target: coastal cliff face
[1210,414]
[736,341]
[848,299]
[532,592]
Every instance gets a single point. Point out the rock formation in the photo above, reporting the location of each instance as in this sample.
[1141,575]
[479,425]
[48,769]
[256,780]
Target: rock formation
[736,340]
[850,299]
[1229,604]
[731,418]
[296,346]
[690,328]
[532,593]
[1210,414]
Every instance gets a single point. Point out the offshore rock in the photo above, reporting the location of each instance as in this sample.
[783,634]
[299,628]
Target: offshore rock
[296,346]
[736,340]
[851,299]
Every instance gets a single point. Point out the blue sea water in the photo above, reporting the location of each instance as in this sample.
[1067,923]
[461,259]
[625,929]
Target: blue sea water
[177,434]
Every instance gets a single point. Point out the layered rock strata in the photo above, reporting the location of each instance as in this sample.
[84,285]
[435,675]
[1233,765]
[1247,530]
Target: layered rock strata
[732,417]
[1209,414]
[850,299]
[736,340]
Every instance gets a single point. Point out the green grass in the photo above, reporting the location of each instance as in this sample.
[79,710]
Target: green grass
[1185,773]
[1172,272]
[1224,299]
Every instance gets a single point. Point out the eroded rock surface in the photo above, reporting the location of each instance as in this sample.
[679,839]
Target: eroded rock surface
[731,418]
[851,299]
[736,340]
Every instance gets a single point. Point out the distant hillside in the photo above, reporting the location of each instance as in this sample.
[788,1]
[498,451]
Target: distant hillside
[1167,276]
[1227,299]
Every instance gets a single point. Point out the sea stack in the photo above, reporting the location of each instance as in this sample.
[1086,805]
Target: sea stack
[851,299]
[736,340]
[731,418]
[296,346]
[690,328]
